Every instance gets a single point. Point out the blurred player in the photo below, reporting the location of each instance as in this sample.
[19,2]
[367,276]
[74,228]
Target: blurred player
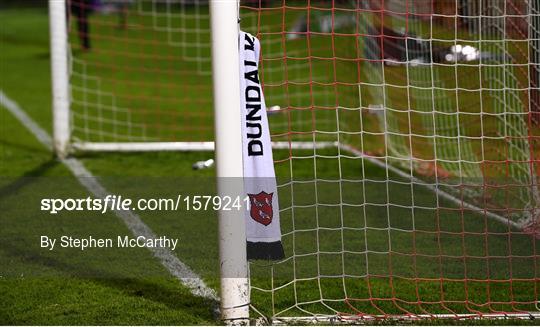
[81,9]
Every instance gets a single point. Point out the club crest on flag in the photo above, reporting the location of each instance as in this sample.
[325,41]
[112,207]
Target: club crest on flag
[261,207]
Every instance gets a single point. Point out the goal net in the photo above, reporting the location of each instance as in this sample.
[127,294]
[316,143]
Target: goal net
[145,77]
[405,132]
[429,203]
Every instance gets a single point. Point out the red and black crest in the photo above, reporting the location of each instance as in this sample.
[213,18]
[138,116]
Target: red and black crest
[261,207]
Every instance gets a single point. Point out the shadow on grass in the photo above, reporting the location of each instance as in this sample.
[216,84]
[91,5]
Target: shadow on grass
[28,178]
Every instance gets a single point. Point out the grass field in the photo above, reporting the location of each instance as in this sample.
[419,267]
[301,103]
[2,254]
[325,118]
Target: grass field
[351,230]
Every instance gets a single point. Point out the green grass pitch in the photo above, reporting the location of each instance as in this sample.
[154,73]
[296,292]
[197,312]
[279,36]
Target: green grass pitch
[341,244]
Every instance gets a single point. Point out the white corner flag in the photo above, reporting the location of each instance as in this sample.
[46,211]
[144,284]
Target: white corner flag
[262,219]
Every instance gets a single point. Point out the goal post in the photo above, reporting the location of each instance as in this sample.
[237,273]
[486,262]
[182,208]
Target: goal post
[229,163]
[60,76]
[75,87]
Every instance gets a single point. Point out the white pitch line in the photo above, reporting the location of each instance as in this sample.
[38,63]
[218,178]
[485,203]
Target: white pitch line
[28,122]
[134,223]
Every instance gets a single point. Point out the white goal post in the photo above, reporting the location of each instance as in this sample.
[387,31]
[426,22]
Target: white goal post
[60,76]
[227,148]
[229,153]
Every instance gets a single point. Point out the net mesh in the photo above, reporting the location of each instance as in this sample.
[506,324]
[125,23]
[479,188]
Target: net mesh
[145,75]
[424,206]
[429,202]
